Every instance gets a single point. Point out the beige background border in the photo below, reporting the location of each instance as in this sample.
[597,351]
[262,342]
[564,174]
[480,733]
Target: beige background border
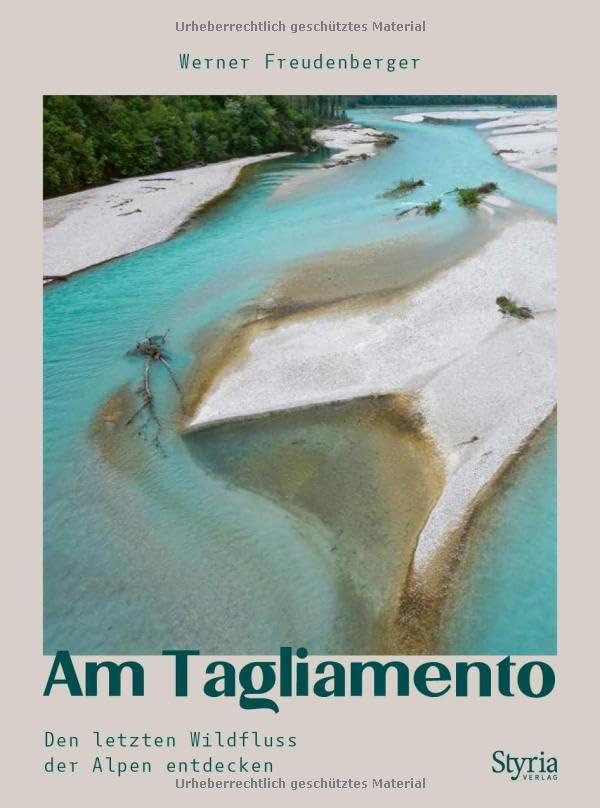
[471,47]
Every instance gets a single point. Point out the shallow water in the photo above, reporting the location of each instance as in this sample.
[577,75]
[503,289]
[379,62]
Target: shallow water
[386,480]
[505,595]
[141,551]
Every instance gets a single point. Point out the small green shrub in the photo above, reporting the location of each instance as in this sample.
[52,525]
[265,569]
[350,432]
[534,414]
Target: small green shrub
[471,197]
[386,139]
[433,207]
[487,188]
[509,307]
[403,187]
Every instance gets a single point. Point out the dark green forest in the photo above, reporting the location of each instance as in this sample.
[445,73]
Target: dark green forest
[424,100]
[95,139]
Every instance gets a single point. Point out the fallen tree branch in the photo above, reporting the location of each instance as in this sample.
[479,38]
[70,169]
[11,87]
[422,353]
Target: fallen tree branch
[153,350]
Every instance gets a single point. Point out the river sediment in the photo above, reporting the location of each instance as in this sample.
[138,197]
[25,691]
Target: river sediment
[480,385]
[230,542]
[366,470]
[91,227]
[445,613]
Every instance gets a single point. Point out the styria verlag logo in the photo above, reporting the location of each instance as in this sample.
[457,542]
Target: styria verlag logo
[537,767]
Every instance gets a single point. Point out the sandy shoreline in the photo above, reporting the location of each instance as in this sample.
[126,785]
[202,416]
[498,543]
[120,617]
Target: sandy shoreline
[528,141]
[524,139]
[96,225]
[351,141]
[90,227]
[473,373]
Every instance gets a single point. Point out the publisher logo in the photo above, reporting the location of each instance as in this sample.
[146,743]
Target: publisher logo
[534,767]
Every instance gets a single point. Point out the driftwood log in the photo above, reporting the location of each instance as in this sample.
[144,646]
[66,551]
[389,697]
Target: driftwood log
[153,351]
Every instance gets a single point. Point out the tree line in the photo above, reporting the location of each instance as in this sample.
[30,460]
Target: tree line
[91,140]
[422,100]
[94,139]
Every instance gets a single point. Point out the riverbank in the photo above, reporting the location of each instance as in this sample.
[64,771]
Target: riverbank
[528,141]
[90,227]
[511,534]
[481,383]
[93,226]
[524,139]
[351,141]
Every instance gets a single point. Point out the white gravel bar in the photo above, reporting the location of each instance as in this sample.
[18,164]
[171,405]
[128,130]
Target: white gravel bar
[474,373]
[350,140]
[452,116]
[89,227]
[528,141]
[525,139]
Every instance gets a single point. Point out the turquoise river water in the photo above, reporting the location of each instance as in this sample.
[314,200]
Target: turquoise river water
[144,552]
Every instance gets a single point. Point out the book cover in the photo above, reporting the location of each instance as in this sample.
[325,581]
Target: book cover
[286,480]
